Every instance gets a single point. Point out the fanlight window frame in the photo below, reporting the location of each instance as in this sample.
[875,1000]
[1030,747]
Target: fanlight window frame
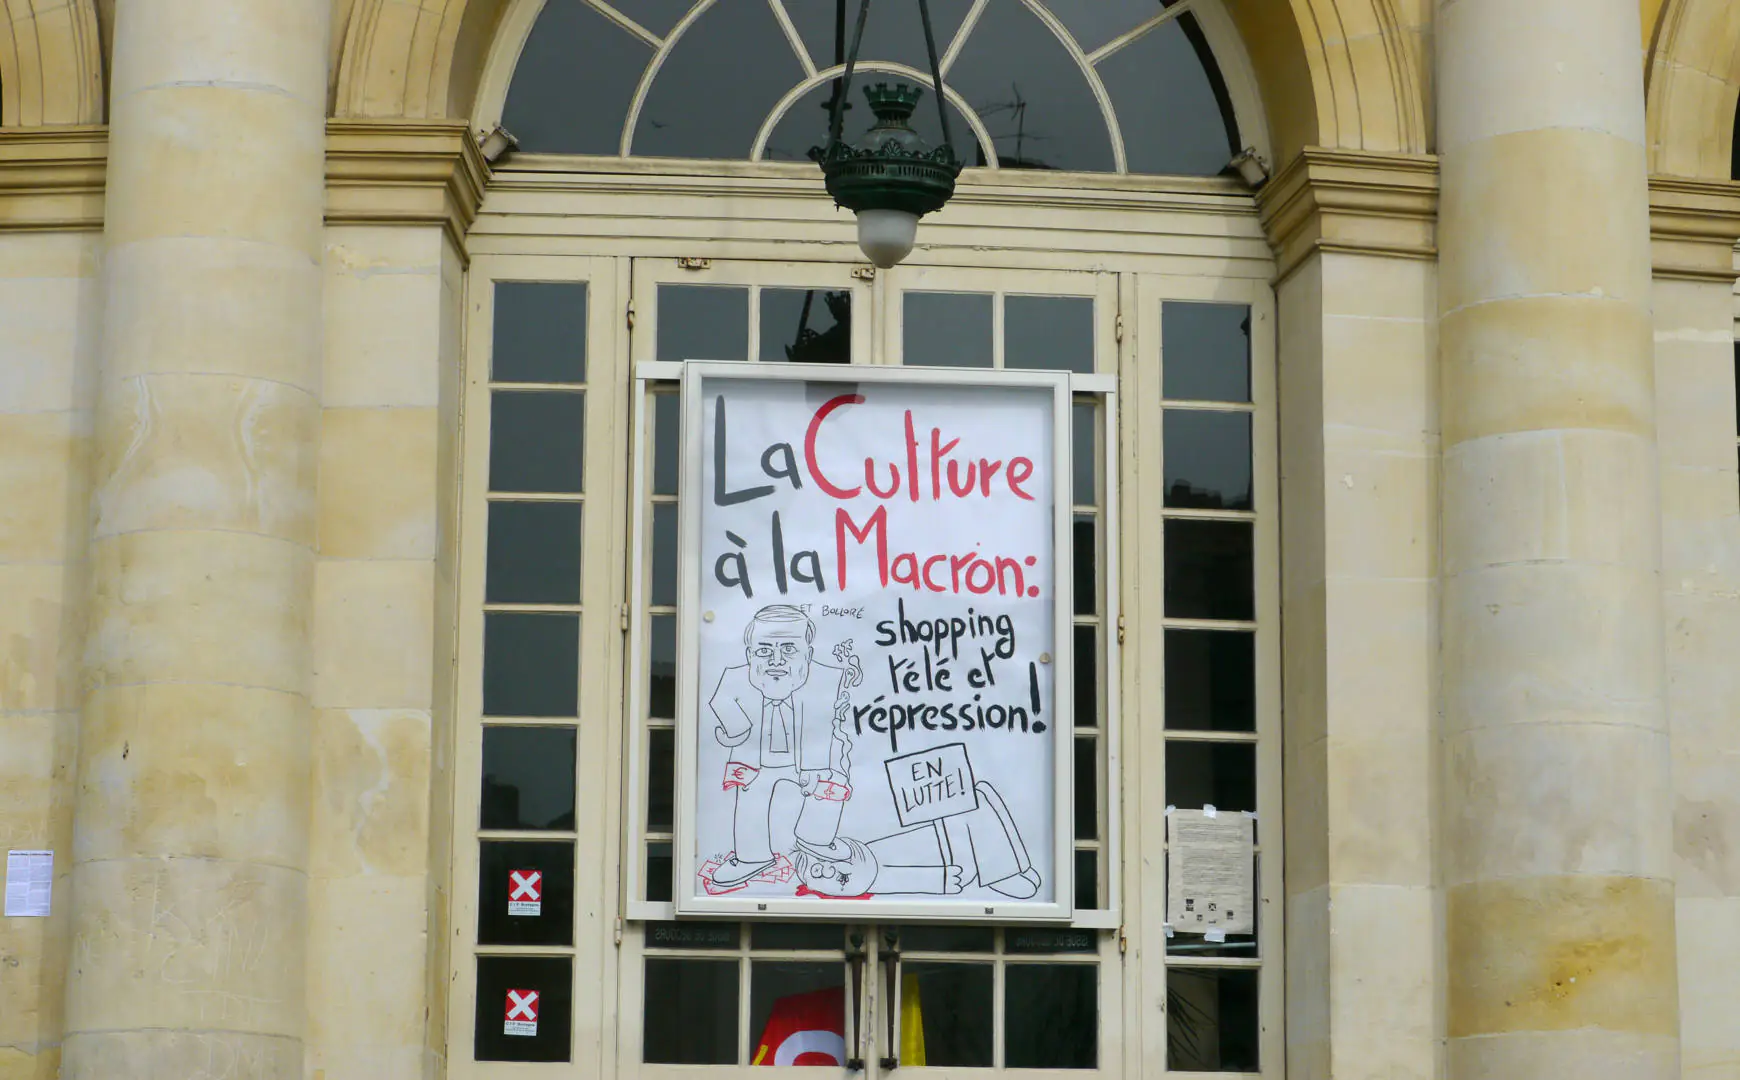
[1237,76]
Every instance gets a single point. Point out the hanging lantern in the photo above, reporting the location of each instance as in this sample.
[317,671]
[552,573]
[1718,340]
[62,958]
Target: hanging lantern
[891,177]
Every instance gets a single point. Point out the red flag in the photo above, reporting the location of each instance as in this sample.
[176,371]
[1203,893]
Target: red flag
[806,1029]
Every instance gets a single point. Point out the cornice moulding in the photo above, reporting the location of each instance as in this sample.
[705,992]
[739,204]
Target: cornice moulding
[1357,202]
[377,172]
[1693,226]
[425,172]
[51,178]
[430,172]
[686,178]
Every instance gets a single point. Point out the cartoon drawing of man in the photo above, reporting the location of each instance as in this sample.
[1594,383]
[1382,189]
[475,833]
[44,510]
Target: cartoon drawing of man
[777,712]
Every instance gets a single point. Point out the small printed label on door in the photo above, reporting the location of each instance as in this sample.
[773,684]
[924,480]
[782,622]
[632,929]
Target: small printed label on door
[522,1013]
[525,892]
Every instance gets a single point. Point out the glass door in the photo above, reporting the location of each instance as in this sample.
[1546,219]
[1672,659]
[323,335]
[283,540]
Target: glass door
[862,999]
[568,957]
[1031,998]
[719,994]
[699,310]
[537,701]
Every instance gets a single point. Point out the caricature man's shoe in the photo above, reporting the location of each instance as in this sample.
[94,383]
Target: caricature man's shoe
[735,872]
[1022,886]
[836,851]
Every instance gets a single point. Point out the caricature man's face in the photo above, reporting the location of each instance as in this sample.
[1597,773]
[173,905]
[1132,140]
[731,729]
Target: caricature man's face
[839,877]
[779,659]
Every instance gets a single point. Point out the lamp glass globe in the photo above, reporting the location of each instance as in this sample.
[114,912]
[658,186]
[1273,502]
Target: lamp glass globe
[886,236]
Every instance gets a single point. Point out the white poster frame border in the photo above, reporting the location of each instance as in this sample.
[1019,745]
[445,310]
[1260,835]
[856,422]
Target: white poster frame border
[688,900]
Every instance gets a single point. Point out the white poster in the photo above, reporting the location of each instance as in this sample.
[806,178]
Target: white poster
[871,671]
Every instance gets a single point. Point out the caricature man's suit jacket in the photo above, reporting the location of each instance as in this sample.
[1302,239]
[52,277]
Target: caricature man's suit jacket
[736,704]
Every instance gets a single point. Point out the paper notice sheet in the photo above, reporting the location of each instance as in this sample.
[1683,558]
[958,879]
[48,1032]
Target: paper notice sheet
[29,882]
[1209,871]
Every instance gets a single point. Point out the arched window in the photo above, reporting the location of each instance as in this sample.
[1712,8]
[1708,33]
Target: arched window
[1124,86]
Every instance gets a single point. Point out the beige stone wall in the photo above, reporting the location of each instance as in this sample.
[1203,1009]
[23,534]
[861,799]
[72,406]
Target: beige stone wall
[443,827]
[386,518]
[49,314]
[383,522]
[1359,452]
[1694,370]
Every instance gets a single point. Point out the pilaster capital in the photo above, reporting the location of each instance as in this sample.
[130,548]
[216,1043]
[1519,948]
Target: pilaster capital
[404,172]
[1693,227]
[1351,201]
[51,178]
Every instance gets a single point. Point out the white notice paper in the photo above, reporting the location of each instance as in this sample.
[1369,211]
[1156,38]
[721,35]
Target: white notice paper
[1209,879]
[29,883]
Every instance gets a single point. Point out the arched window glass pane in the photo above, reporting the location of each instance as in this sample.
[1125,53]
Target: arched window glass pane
[894,31]
[805,124]
[1169,107]
[559,105]
[657,16]
[1095,22]
[1030,93]
[718,84]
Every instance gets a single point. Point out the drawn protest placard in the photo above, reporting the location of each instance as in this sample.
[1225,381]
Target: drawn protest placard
[931,785]
[872,613]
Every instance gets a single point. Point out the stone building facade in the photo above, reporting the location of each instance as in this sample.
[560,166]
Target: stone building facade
[256,267]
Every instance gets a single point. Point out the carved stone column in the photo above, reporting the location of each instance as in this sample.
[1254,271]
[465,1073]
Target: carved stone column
[1557,807]
[192,807]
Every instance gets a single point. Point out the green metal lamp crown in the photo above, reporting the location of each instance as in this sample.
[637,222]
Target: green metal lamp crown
[893,105]
[892,167]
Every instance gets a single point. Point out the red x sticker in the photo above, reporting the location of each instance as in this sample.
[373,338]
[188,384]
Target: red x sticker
[525,892]
[522,1013]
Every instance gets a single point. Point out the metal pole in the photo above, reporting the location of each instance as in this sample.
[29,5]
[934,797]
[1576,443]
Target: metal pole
[942,111]
[851,62]
[839,48]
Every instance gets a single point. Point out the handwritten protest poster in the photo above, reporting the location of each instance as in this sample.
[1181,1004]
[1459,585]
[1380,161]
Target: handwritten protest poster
[870,663]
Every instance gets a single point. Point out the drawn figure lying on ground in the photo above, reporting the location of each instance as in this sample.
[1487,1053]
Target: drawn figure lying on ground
[782,715]
[978,847]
